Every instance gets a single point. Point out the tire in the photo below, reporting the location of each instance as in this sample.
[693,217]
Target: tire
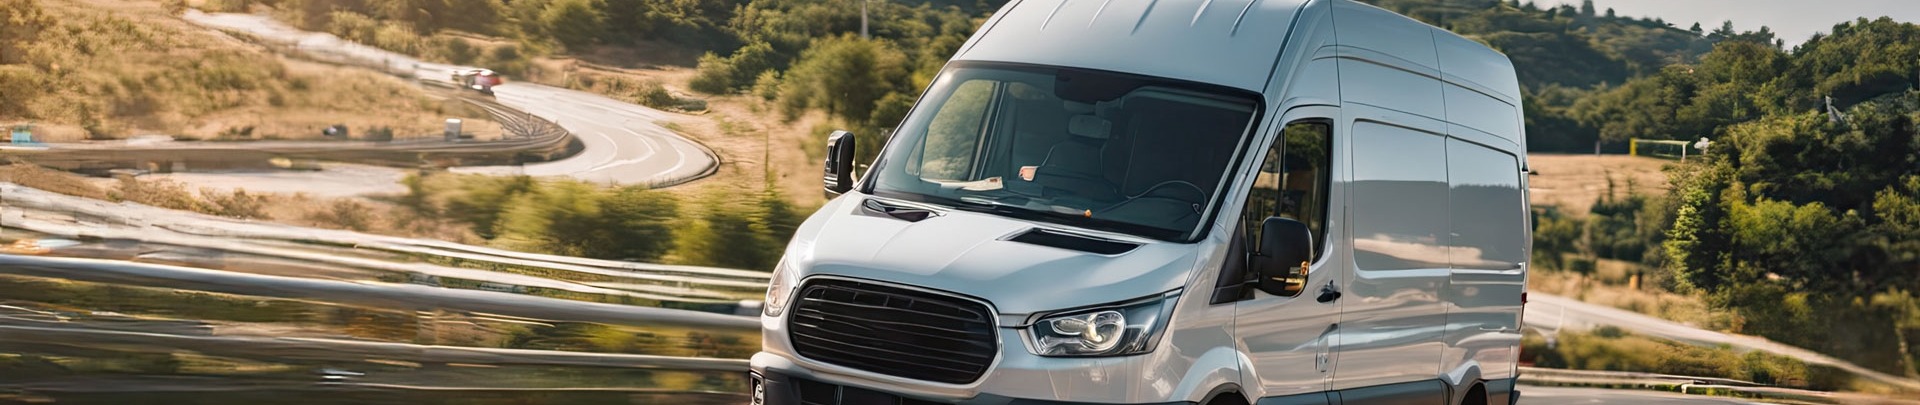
[1475,396]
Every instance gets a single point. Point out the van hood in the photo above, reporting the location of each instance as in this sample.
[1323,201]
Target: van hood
[965,253]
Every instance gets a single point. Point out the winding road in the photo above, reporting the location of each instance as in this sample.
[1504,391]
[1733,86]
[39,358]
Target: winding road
[624,143]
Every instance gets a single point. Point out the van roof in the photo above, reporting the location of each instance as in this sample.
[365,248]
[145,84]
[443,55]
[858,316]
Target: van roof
[1227,42]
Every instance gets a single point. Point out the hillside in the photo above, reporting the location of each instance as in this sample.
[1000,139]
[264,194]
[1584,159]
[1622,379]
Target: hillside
[104,69]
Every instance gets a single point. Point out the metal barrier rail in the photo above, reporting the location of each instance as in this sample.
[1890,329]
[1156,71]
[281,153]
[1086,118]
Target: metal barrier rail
[137,215]
[371,294]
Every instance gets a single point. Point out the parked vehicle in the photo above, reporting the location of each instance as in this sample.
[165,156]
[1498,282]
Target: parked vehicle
[1224,202]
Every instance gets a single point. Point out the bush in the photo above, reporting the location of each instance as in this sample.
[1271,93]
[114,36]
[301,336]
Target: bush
[714,75]
[767,86]
[457,51]
[738,231]
[345,214]
[162,193]
[235,204]
[479,200]
[507,60]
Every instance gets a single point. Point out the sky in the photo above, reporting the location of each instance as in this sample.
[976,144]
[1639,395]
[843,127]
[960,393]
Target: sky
[1791,20]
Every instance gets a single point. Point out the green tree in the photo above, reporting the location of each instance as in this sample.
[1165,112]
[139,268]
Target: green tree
[574,23]
[846,76]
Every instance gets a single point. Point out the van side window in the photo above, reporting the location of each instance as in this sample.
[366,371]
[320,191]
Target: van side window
[1292,183]
[956,132]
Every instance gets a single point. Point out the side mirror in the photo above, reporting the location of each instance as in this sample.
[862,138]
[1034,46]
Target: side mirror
[839,178]
[1286,248]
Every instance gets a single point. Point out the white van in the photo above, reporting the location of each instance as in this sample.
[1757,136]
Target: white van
[1179,201]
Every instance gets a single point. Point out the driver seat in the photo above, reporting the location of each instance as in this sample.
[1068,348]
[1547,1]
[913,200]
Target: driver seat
[1076,168]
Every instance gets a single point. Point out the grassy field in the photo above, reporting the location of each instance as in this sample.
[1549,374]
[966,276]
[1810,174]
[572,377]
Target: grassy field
[1574,182]
[104,69]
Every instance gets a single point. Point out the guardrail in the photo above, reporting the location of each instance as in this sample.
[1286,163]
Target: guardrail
[369,294]
[688,283]
[1694,385]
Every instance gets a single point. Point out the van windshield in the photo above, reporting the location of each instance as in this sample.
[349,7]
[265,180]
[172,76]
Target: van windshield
[1092,149]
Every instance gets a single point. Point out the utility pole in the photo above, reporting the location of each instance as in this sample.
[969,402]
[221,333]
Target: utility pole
[863,19]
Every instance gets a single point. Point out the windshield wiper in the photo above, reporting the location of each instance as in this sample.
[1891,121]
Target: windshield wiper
[977,204]
[908,213]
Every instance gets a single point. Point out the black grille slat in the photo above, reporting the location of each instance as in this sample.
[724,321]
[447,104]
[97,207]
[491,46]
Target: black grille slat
[826,321]
[897,309]
[891,330]
[903,316]
[949,348]
[844,339]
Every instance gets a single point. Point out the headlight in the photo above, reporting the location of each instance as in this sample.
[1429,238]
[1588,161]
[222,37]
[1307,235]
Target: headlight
[780,289]
[1118,330]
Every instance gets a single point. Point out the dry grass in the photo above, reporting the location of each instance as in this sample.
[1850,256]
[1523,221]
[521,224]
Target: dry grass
[1614,291]
[1574,182]
[117,68]
[353,213]
[51,180]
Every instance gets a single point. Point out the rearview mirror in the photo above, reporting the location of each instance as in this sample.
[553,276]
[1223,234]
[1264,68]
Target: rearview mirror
[1286,249]
[839,178]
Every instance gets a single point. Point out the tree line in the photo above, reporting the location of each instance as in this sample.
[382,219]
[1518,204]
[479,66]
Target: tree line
[1802,220]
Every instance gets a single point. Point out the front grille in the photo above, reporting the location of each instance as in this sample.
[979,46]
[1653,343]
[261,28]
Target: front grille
[893,331]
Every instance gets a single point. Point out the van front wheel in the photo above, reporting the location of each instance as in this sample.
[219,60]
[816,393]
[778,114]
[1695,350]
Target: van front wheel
[1475,396]
[1228,398]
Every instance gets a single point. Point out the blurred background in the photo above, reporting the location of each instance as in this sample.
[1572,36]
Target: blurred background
[578,201]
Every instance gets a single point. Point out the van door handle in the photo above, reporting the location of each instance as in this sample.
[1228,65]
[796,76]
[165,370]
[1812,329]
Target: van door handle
[1328,293]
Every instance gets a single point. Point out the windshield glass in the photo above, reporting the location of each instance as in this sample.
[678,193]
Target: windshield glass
[1093,149]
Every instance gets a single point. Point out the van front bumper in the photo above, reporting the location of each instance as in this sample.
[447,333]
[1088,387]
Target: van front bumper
[774,388]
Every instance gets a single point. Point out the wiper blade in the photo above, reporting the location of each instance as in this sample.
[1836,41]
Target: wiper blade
[911,214]
[977,204]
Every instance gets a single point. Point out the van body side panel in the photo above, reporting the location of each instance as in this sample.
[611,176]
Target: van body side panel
[1287,340]
[1482,82]
[1316,398]
[1198,353]
[1428,392]
[1392,320]
[1487,248]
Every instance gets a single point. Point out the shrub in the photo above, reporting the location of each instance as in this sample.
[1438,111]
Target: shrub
[478,200]
[457,51]
[161,193]
[767,86]
[714,75]
[343,213]
[236,204]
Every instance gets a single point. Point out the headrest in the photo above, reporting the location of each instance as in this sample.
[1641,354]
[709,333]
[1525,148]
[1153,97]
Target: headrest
[1089,126]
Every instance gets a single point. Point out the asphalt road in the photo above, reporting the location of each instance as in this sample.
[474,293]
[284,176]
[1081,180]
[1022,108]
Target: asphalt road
[1530,395]
[624,143]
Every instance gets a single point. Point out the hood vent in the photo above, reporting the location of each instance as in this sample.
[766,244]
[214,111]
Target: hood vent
[1063,240]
